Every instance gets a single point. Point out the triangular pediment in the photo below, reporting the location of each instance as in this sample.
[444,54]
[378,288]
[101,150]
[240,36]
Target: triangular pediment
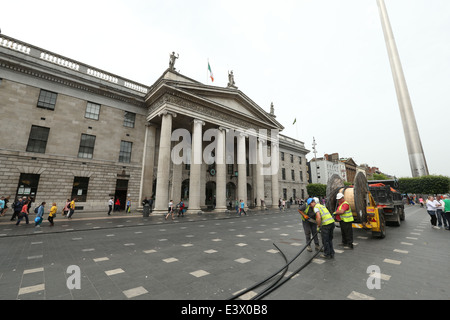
[226,100]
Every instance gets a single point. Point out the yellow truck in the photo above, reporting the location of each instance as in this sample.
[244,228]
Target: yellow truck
[366,214]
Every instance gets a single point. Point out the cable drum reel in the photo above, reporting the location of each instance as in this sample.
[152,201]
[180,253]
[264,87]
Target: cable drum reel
[355,195]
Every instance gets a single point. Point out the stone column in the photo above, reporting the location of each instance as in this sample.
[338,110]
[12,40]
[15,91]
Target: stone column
[221,172]
[148,162]
[196,164]
[242,174]
[163,175]
[275,160]
[175,193]
[259,174]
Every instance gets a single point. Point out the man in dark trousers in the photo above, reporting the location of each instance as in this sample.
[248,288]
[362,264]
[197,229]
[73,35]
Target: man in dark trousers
[346,220]
[309,224]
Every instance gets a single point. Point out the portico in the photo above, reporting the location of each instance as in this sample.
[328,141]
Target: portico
[199,135]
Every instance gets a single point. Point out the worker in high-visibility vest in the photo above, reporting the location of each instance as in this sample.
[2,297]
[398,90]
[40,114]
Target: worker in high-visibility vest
[346,219]
[325,223]
[309,225]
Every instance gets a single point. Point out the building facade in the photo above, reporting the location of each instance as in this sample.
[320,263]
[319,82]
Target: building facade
[323,168]
[70,130]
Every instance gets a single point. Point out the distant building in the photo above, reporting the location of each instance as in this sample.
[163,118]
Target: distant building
[321,169]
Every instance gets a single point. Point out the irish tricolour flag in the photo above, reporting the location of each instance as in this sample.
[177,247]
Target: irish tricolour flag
[210,73]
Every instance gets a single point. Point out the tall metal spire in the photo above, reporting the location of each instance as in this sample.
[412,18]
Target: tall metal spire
[414,145]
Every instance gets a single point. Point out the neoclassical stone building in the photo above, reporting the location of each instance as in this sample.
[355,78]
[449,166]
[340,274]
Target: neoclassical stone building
[70,130]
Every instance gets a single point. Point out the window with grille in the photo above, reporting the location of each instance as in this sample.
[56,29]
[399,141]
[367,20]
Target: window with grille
[37,142]
[86,146]
[92,111]
[47,100]
[125,151]
[129,119]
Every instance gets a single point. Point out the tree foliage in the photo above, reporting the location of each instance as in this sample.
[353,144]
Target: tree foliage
[316,190]
[425,185]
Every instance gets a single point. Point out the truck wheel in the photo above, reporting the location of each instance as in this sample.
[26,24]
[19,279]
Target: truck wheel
[397,215]
[382,233]
[402,216]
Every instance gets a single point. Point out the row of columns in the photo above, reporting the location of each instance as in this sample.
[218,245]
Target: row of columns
[164,161]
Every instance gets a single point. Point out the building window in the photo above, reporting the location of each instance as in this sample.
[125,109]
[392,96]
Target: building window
[37,142]
[80,188]
[283,173]
[292,158]
[284,193]
[230,169]
[129,119]
[293,175]
[125,151]
[92,111]
[301,176]
[299,160]
[47,100]
[282,156]
[86,146]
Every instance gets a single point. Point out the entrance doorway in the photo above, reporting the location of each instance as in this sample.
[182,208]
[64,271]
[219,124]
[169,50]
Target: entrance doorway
[28,185]
[210,194]
[121,192]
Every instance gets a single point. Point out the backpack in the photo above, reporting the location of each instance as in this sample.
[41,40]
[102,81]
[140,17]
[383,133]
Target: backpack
[36,210]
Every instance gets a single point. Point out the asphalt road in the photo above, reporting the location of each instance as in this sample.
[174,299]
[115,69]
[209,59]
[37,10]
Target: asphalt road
[214,256]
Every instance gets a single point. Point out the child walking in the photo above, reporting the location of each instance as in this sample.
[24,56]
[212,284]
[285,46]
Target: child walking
[52,214]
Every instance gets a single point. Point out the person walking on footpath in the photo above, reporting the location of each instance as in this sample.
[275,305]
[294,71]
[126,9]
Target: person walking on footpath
[52,214]
[117,205]
[345,217]
[440,213]
[309,225]
[17,207]
[242,205]
[110,204]
[66,208]
[23,213]
[71,209]
[431,209]
[325,225]
[39,215]
[128,210]
[446,212]
[170,210]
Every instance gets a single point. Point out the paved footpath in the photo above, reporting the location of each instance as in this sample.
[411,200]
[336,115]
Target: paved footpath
[214,256]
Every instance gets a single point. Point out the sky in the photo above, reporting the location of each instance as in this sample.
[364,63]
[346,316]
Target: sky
[322,62]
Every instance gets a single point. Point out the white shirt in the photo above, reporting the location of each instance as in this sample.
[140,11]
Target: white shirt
[110,202]
[431,205]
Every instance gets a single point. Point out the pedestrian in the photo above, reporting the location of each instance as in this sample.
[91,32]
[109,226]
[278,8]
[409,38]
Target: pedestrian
[181,207]
[39,215]
[23,212]
[446,213]
[421,202]
[117,205]
[170,209]
[17,207]
[283,204]
[345,216]
[52,214]
[309,225]
[325,225]
[2,205]
[71,209]
[242,208]
[66,208]
[110,204]
[150,203]
[5,208]
[236,206]
[128,210]
[431,209]
[440,213]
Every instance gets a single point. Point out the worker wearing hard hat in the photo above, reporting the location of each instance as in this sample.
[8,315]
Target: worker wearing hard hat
[309,225]
[325,222]
[345,214]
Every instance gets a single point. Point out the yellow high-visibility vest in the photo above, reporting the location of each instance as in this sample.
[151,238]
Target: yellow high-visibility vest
[326,216]
[347,216]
